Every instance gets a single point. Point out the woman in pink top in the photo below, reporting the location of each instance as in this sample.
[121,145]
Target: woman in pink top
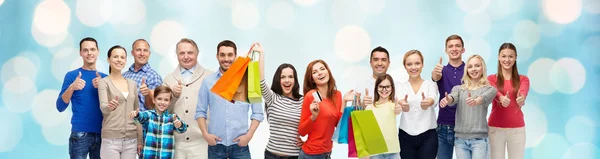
[506,124]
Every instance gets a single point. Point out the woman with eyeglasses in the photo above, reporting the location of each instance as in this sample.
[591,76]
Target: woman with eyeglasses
[417,134]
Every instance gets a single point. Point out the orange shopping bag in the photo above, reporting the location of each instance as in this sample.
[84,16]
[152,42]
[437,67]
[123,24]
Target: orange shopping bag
[230,81]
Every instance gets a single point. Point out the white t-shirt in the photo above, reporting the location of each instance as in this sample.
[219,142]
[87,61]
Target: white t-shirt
[417,120]
[369,84]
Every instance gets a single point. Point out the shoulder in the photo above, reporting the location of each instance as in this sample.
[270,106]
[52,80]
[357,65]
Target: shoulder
[308,95]
[492,77]
[523,77]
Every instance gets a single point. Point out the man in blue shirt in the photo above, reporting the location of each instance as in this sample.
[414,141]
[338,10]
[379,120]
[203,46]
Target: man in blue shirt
[147,79]
[80,87]
[227,134]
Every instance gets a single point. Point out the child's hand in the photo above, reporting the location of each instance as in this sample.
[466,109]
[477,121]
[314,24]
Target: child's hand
[134,113]
[176,121]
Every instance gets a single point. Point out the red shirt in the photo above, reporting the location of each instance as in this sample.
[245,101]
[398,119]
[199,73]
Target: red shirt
[511,116]
[321,130]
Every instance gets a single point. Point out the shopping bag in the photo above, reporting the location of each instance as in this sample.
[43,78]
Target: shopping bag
[229,82]
[351,142]
[386,119]
[340,135]
[254,90]
[367,134]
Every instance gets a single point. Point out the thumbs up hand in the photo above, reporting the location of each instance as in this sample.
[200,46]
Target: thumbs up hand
[404,103]
[367,99]
[505,99]
[134,113]
[438,68]
[446,100]
[520,98]
[398,107]
[112,105]
[96,80]
[78,84]
[144,88]
[424,102]
[176,121]
[177,89]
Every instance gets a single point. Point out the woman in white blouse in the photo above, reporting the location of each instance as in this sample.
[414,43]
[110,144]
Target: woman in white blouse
[417,134]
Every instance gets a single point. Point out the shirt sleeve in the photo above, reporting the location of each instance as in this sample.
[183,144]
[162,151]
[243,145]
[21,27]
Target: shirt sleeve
[267,93]
[103,96]
[203,97]
[183,127]
[524,87]
[257,112]
[60,104]
[432,92]
[143,117]
[488,95]
[493,82]
[306,124]
[455,94]
[154,81]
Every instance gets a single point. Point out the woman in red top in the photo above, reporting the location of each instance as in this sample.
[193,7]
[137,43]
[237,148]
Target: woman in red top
[507,127]
[319,119]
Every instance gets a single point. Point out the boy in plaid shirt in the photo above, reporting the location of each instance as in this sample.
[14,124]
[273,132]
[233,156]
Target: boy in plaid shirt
[160,126]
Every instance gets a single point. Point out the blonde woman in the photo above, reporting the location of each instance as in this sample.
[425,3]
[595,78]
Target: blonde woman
[472,99]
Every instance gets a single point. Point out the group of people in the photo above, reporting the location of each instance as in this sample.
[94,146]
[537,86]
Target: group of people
[138,113]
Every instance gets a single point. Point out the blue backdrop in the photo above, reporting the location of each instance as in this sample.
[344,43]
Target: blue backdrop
[558,43]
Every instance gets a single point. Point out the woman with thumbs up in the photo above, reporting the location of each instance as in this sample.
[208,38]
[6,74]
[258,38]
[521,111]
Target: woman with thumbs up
[417,133]
[118,96]
[507,127]
[471,99]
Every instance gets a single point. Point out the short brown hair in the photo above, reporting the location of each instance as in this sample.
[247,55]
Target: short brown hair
[162,89]
[227,43]
[454,37]
[186,40]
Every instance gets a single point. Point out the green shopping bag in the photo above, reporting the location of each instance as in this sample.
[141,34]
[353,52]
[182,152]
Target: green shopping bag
[367,134]
[254,91]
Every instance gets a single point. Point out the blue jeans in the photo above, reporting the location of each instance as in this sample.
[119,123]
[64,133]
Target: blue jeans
[422,146]
[82,144]
[386,156]
[234,151]
[445,135]
[326,155]
[476,148]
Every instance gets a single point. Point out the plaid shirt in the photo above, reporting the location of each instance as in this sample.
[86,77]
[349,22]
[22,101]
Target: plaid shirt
[153,80]
[159,140]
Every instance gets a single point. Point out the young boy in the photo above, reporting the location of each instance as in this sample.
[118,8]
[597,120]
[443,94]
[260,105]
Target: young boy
[160,126]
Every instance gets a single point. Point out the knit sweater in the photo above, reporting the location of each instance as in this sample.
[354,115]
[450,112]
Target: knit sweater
[471,121]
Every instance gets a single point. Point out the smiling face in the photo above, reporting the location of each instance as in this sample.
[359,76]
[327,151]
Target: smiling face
[379,63]
[455,49]
[187,55]
[141,52]
[287,81]
[475,68]
[413,65]
[507,58]
[117,59]
[384,89]
[162,101]
[320,74]
[89,52]
[226,55]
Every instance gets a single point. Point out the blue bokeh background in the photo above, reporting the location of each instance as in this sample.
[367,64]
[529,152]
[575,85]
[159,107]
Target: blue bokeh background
[558,43]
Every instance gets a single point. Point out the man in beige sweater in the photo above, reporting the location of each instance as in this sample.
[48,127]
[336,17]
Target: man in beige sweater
[185,82]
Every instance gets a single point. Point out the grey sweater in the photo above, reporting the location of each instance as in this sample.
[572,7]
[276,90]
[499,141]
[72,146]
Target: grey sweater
[471,121]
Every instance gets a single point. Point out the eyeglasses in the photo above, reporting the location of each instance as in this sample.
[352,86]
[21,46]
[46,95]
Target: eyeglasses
[388,87]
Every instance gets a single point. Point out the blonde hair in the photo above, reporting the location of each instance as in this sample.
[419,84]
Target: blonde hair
[468,84]
[411,52]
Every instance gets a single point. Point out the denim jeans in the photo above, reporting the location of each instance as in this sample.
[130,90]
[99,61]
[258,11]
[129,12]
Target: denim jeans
[422,146]
[82,144]
[326,155]
[445,135]
[234,151]
[476,148]
[269,155]
[386,156]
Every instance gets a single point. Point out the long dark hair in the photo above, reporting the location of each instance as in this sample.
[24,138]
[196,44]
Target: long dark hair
[378,81]
[276,84]
[110,53]
[309,83]
[516,80]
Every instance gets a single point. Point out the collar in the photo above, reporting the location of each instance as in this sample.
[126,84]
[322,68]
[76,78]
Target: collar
[191,70]
[144,68]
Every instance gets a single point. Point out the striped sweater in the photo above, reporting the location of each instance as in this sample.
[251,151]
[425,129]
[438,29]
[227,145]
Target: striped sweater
[283,115]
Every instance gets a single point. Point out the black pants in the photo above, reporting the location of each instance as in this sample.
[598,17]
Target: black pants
[422,146]
[269,155]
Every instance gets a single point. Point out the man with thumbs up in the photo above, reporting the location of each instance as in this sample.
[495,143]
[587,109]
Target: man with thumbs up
[447,77]
[80,89]
[147,79]
[380,62]
[185,82]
